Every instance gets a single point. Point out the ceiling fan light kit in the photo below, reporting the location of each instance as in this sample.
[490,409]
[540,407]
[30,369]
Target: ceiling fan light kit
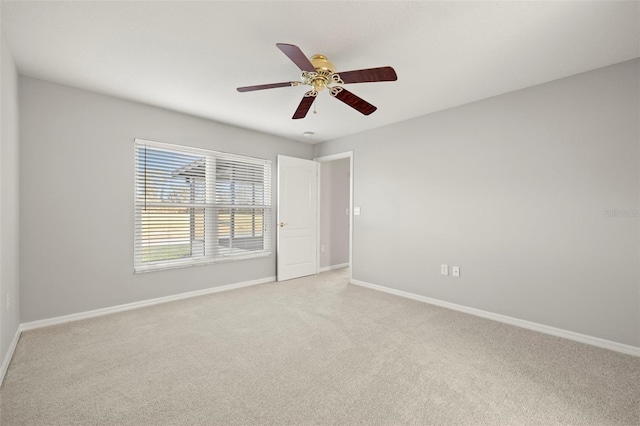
[319,73]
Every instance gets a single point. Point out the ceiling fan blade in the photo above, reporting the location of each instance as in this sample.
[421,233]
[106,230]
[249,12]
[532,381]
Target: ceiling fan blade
[295,54]
[305,104]
[369,75]
[264,86]
[352,100]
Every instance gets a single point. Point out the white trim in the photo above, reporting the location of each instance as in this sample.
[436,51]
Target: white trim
[332,157]
[318,211]
[7,359]
[179,263]
[332,267]
[114,309]
[582,338]
[129,306]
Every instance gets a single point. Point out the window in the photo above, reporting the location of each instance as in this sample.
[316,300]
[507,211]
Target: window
[195,206]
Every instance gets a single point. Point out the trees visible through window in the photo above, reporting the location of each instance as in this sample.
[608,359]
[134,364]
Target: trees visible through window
[196,206]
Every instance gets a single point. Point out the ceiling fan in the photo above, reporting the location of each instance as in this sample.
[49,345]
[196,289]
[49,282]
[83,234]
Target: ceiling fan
[319,73]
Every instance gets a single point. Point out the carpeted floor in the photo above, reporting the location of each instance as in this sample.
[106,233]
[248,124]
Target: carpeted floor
[315,350]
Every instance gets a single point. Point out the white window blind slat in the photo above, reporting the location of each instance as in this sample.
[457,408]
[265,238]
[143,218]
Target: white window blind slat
[195,206]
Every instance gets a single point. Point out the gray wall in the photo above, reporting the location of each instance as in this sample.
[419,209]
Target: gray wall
[334,223]
[9,202]
[514,189]
[77,198]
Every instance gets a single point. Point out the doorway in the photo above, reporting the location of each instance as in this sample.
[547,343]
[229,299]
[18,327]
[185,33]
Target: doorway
[304,214]
[335,206]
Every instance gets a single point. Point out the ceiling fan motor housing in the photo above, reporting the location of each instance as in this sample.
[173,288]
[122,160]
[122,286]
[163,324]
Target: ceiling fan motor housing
[324,70]
[321,63]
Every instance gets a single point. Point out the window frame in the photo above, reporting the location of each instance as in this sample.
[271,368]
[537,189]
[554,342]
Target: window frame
[212,210]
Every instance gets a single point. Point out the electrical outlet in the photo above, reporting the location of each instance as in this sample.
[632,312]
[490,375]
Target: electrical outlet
[444,269]
[455,271]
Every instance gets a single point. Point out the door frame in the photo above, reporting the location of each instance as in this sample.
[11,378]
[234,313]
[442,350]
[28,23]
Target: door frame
[326,159]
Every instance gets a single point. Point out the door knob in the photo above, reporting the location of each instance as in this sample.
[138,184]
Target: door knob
[282,224]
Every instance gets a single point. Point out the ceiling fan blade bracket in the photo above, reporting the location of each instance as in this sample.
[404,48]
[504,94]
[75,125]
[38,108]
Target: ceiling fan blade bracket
[310,94]
[335,90]
[308,77]
[335,78]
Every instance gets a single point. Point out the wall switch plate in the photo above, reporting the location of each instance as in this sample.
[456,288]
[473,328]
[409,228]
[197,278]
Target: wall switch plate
[444,269]
[322,248]
[356,211]
[455,271]
[346,212]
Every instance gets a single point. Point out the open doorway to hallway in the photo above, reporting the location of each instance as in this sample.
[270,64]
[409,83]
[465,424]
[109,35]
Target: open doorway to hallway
[335,212]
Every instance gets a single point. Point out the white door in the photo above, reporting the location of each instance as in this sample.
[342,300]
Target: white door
[297,215]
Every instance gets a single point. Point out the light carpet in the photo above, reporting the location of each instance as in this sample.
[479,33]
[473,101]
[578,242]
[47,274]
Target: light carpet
[314,350]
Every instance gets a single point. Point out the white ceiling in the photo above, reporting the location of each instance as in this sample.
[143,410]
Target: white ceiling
[190,56]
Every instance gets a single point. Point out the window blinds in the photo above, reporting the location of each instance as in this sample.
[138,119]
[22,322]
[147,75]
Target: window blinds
[195,206]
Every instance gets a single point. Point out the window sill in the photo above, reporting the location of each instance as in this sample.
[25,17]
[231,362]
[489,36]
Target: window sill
[199,262]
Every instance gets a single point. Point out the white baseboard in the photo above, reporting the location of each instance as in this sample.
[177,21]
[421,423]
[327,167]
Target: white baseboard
[582,338]
[332,267]
[114,309]
[135,305]
[7,359]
